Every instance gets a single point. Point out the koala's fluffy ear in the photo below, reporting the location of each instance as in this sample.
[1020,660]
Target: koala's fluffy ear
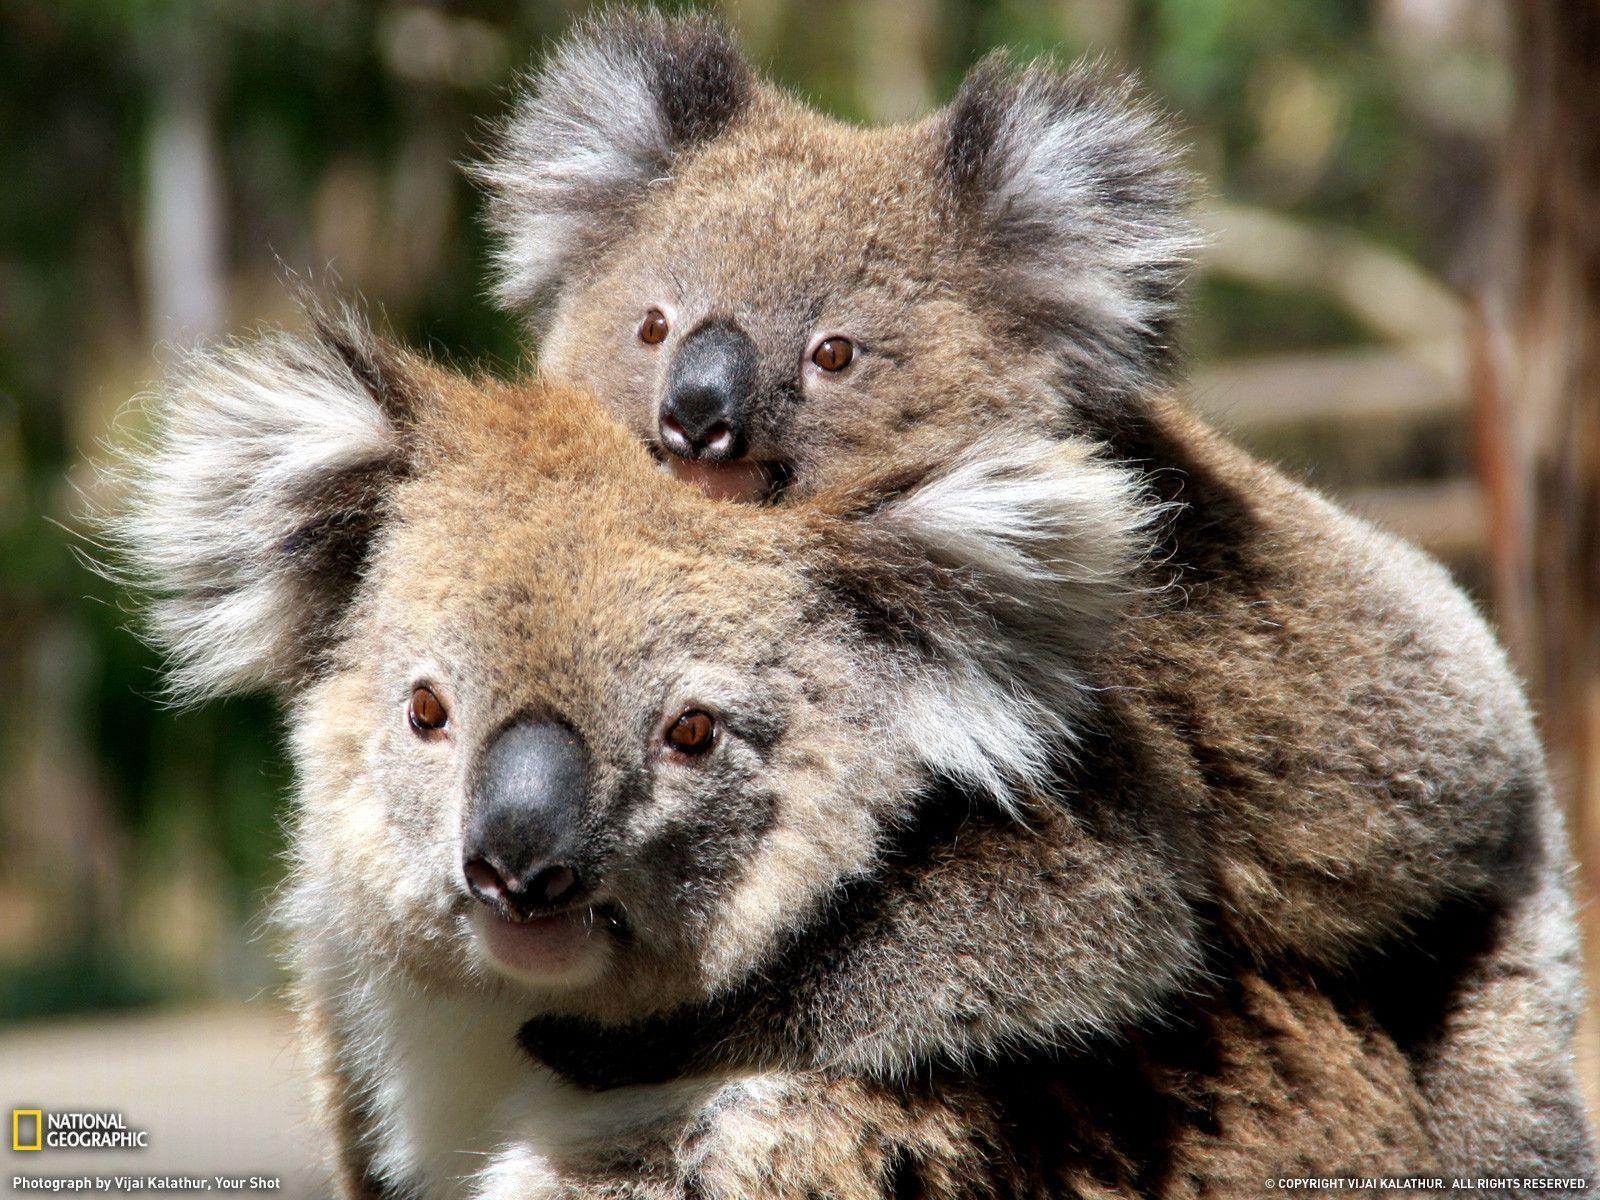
[1000,574]
[1079,189]
[249,514]
[614,105]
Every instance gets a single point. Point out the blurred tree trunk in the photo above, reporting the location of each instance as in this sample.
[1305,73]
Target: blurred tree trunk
[1539,399]
[185,287]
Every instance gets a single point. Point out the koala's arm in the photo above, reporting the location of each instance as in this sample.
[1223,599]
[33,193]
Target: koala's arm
[986,941]
[783,1136]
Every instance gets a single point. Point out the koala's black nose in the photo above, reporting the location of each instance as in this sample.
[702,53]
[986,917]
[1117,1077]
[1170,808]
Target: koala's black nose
[709,390]
[523,836]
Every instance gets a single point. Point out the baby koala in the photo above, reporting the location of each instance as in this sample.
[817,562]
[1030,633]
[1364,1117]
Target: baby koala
[813,830]
[774,301]
[1306,714]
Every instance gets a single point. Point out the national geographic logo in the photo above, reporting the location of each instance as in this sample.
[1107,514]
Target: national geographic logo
[27,1129]
[35,1129]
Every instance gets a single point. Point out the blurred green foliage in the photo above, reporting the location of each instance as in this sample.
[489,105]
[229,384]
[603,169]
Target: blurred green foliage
[322,111]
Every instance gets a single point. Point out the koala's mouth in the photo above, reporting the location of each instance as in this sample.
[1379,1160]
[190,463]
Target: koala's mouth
[565,948]
[740,479]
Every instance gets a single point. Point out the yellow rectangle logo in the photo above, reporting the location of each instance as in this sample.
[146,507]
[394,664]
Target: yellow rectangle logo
[17,1115]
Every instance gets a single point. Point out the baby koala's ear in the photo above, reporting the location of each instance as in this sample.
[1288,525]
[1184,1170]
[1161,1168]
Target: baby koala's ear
[1078,186]
[608,112]
[1001,574]
[249,513]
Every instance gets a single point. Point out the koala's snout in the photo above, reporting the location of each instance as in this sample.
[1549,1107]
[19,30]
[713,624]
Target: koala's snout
[523,843]
[710,388]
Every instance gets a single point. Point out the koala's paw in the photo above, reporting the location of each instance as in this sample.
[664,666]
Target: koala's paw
[793,1136]
[519,1171]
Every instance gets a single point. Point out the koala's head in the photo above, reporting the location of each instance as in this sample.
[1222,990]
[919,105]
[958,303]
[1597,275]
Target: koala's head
[560,719]
[769,297]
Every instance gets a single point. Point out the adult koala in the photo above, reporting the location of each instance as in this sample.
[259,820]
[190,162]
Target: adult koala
[773,301]
[833,793]
[567,743]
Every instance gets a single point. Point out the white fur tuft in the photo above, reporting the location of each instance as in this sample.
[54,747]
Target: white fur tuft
[602,120]
[1082,188]
[587,126]
[245,439]
[1051,537]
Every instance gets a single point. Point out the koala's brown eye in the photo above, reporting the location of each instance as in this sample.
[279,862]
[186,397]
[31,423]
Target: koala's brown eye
[654,327]
[834,354]
[693,732]
[426,711]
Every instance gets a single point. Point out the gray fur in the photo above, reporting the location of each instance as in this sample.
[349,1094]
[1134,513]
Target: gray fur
[255,496]
[593,129]
[1077,182]
[1075,767]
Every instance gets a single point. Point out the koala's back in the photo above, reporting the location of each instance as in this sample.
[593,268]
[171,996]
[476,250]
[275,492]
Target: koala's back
[1315,720]
[1359,746]
[1370,789]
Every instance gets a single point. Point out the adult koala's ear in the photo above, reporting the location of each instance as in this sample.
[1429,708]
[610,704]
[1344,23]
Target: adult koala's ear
[617,101]
[998,576]
[250,512]
[1077,186]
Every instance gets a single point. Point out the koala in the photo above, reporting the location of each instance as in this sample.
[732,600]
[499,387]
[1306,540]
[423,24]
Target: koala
[773,302]
[569,741]
[826,814]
